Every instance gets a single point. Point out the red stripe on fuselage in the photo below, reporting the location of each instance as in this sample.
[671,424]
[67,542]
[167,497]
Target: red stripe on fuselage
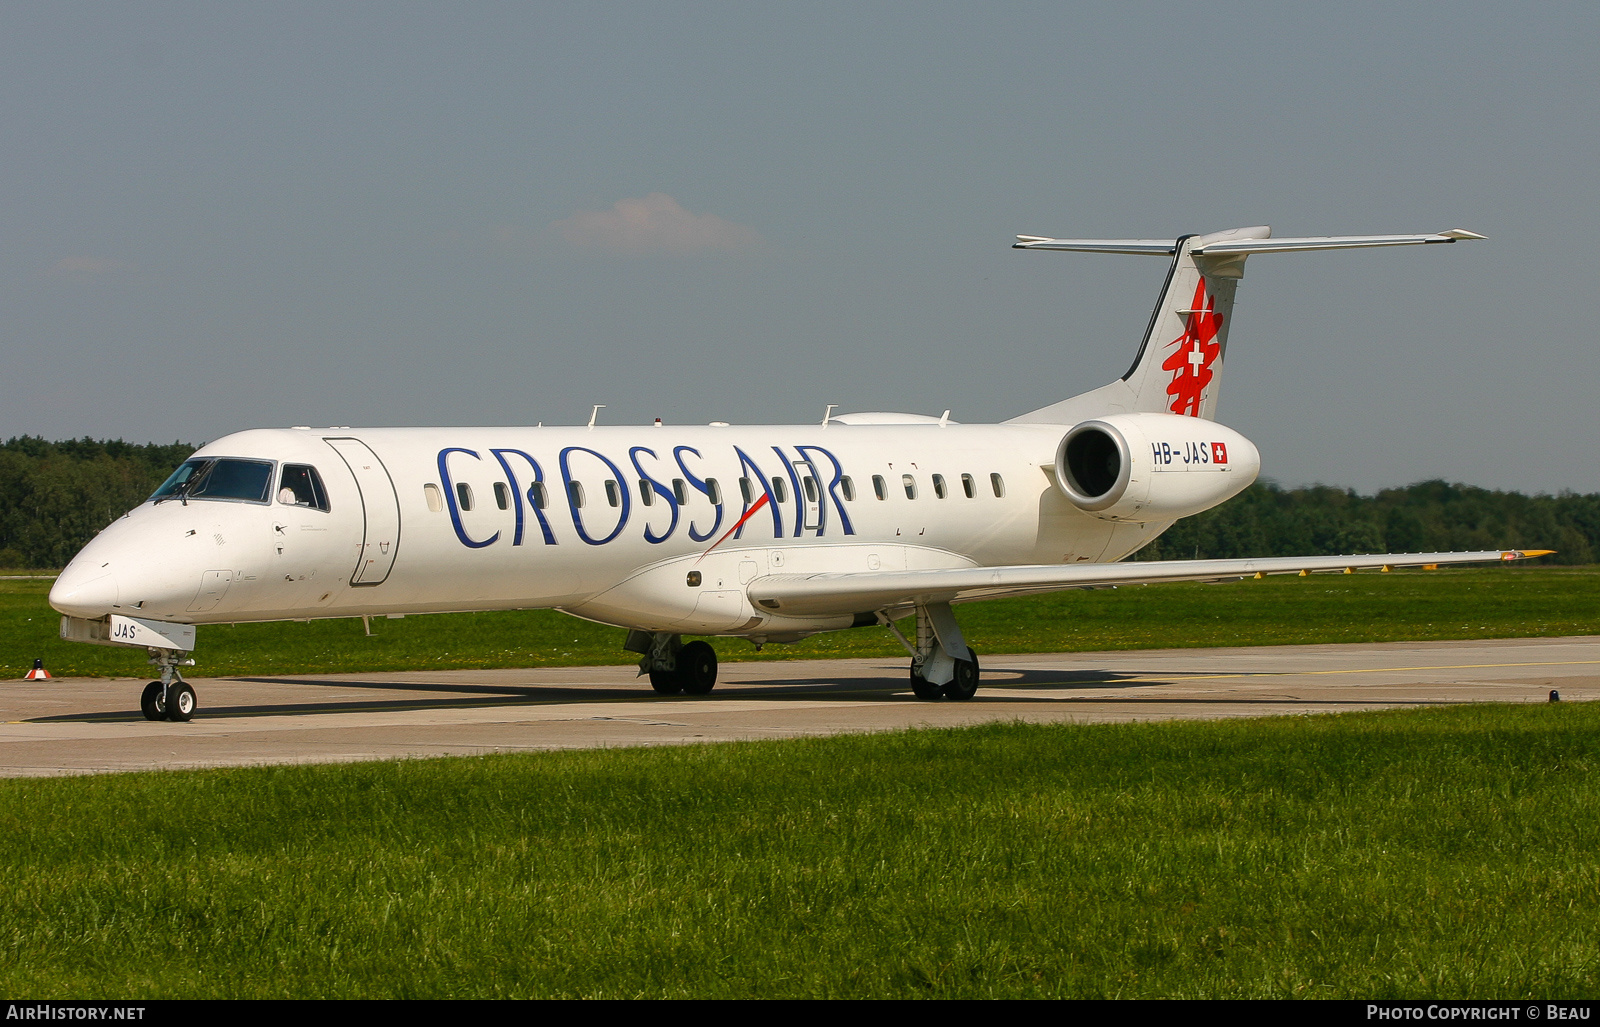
[754,507]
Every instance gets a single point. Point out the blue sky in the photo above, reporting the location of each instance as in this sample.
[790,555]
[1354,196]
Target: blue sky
[227,216]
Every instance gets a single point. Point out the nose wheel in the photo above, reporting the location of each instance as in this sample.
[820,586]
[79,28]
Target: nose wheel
[161,702]
[171,698]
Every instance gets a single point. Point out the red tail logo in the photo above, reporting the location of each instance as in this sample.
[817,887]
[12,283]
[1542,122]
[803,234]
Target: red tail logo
[1197,347]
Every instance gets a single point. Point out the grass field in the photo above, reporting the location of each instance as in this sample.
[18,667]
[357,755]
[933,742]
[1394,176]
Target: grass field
[1440,853]
[1493,602]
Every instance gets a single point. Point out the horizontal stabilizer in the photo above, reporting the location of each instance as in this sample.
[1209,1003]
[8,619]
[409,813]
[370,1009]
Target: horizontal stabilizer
[1152,247]
[802,594]
[1332,242]
[1232,246]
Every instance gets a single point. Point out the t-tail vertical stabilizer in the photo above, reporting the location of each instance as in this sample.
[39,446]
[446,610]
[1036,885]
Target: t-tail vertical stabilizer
[1179,365]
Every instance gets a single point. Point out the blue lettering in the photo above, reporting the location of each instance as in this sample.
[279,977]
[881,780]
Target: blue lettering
[450,499]
[700,486]
[747,464]
[577,518]
[799,497]
[660,490]
[832,488]
[517,495]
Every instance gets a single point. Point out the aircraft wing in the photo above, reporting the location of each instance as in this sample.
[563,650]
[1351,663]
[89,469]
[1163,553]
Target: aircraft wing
[858,591]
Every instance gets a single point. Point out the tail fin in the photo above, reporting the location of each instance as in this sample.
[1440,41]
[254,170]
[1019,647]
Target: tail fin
[1179,365]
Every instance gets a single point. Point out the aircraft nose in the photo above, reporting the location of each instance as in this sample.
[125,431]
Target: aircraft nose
[79,595]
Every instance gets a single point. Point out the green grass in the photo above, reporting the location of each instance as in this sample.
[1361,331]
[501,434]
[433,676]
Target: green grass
[1495,602]
[1440,853]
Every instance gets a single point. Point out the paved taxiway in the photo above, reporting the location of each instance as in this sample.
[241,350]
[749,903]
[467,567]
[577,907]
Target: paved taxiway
[77,725]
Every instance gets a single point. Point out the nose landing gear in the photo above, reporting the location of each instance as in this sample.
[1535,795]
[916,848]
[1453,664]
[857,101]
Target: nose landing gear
[171,698]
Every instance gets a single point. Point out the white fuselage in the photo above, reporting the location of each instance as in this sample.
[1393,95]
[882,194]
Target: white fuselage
[426,520]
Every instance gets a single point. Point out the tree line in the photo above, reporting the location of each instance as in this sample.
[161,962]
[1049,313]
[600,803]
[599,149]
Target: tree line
[54,497]
[1428,517]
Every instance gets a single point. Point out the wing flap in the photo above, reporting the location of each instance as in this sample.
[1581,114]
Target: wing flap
[802,594]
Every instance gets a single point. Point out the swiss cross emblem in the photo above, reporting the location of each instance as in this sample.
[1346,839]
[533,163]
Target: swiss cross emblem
[1219,452]
[1196,349]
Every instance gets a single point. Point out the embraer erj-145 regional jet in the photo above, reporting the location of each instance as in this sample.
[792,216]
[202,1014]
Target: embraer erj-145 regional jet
[768,533]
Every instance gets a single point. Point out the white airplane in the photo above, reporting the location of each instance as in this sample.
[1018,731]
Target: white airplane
[768,533]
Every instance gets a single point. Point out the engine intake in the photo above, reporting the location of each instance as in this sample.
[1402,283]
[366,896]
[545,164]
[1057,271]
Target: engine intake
[1153,467]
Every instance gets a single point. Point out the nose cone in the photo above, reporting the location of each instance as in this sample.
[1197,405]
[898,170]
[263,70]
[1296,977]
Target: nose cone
[83,593]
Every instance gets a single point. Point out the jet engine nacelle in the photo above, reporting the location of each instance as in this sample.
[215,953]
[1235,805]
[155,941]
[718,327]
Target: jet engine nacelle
[1153,467]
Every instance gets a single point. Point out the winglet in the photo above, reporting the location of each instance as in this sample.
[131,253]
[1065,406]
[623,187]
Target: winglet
[1524,554]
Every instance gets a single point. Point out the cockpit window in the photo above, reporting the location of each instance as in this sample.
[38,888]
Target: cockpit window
[213,478]
[302,486]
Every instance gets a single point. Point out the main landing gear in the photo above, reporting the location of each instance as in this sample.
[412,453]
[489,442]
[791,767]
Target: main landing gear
[674,666]
[936,672]
[171,698]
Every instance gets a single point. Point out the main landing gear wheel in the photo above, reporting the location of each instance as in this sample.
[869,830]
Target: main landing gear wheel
[921,685]
[697,668]
[694,671]
[963,686]
[153,701]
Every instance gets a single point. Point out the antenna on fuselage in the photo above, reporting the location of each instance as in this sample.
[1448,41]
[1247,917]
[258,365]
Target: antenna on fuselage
[828,413]
[595,413]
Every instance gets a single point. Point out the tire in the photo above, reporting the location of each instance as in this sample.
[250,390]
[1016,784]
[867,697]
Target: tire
[922,687]
[965,684]
[697,668]
[181,702]
[666,682]
[151,701]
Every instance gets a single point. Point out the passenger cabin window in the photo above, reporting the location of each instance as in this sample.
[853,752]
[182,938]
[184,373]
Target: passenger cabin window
[938,486]
[680,491]
[999,486]
[910,484]
[538,495]
[968,486]
[302,486]
[715,491]
[880,488]
[647,495]
[780,491]
[849,488]
[464,495]
[613,493]
[744,490]
[810,485]
[434,499]
[213,478]
[575,493]
[502,495]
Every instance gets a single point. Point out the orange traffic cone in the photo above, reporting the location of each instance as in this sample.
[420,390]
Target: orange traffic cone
[38,673]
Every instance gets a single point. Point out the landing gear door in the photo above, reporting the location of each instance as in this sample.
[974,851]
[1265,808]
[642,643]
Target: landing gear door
[380,511]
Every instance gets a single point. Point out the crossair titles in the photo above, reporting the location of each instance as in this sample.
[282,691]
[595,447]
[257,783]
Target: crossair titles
[529,495]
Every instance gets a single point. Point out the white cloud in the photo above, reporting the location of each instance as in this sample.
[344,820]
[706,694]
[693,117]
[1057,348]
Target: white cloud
[655,224]
[88,266]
